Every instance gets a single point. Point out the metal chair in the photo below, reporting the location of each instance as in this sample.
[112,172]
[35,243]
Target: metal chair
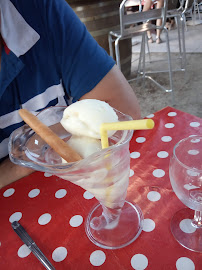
[193,9]
[179,16]
[134,4]
[127,20]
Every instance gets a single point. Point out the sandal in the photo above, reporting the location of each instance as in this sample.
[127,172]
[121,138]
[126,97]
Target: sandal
[150,40]
[158,40]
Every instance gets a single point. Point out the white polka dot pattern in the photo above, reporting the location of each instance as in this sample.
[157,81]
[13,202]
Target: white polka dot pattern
[131,173]
[34,193]
[87,195]
[135,155]
[194,124]
[97,258]
[139,262]
[153,196]
[44,219]
[172,114]
[60,193]
[190,186]
[23,251]
[193,152]
[192,173]
[59,254]
[186,227]
[76,221]
[47,174]
[195,140]
[140,139]
[185,263]
[169,125]
[150,115]
[15,217]
[166,139]
[162,154]
[158,173]
[9,192]
[148,225]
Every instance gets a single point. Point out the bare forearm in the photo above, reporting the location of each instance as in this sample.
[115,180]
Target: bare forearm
[115,90]
[9,172]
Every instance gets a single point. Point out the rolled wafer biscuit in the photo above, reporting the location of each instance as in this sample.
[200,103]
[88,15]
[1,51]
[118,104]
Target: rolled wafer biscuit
[62,148]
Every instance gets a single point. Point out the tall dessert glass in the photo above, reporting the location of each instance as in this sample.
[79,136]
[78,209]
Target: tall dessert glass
[113,223]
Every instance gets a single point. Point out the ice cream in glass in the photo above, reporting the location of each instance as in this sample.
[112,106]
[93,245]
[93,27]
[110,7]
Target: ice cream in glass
[113,223]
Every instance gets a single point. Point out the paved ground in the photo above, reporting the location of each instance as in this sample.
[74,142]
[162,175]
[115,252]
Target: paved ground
[187,86]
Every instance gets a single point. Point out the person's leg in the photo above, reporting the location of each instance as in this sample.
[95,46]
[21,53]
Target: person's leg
[159,22]
[147,6]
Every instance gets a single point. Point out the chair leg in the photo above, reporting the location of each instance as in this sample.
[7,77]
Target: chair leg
[183,45]
[179,37]
[193,14]
[185,22]
[110,45]
[118,61]
[143,57]
[192,17]
[140,59]
[148,49]
[199,16]
[169,66]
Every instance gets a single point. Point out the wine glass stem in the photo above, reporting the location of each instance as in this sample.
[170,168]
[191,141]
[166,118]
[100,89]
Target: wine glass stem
[197,221]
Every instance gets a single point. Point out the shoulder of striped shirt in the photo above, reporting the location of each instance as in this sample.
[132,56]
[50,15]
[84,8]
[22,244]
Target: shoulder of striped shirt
[18,35]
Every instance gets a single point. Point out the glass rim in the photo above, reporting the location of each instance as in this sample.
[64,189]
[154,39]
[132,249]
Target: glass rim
[64,166]
[174,153]
[94,155]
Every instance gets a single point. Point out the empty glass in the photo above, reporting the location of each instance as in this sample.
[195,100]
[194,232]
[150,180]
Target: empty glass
[114,222]
[186,179]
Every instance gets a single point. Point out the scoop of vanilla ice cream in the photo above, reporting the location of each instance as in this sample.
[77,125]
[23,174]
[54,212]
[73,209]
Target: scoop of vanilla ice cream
[84,146]
[84,118]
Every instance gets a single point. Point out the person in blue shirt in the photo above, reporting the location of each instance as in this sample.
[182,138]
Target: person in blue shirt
[49,58]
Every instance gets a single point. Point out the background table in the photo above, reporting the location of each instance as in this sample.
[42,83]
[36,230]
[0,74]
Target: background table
[53,210]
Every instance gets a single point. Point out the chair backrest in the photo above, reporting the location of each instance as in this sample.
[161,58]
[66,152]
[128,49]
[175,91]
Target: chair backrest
[138,17]
[188,4]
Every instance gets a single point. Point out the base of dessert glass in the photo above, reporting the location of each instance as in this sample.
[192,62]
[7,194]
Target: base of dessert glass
[184,232]
[127,229]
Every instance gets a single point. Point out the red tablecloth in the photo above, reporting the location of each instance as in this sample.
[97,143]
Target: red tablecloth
[53,211]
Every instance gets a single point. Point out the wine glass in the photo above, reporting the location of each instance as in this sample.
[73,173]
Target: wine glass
[113,223]
[185,172]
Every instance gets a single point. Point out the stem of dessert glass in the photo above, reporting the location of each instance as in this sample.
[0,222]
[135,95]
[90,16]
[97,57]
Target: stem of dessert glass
[108,220]
[197,221]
